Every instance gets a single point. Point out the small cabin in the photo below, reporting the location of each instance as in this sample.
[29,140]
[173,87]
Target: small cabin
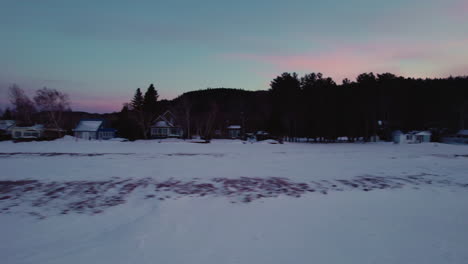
[412,137]
[90,129]
[234,131]
[166,126]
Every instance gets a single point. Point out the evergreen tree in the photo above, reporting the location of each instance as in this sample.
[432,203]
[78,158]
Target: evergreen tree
[150,100]
[137,101]
[285,92]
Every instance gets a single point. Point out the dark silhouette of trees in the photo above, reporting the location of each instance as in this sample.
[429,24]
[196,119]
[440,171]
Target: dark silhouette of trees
[312,106]
[184,110]
[208,112]
[285,93]
[318,95]
[150,100]
[144,109]
[24,108]
[137,101]
[7,115]
[53,103]
[372,105]
[126,124]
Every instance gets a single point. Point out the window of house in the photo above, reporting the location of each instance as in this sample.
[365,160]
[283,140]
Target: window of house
[106,134]
[161,131]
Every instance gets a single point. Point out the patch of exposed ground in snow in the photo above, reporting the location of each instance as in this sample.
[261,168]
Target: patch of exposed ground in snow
[42,199]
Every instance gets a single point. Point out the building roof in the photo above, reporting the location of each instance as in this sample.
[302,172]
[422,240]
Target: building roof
[463,132]
[165,120]
[234,127]
[163,123]
[415,133]
[87,125]
[5,124]
[35,127]
[423,133]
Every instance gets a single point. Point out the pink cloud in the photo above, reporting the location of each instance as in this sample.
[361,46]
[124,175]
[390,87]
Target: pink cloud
[97,106]
[457,70]
[408,59]
[339,64]
[463,6]
[98,103]
[459,10]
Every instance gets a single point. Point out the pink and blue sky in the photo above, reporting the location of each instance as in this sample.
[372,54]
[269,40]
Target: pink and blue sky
[99,52]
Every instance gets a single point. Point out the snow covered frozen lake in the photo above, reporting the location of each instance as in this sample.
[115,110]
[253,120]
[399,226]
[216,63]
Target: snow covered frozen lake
[68,201]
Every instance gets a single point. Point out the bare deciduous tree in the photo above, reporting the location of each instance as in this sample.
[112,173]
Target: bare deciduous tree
[187,107]
[24,107]
[208,122]
[53,103]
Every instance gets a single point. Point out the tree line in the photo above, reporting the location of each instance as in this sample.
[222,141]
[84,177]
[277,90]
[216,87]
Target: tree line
[316,107]
[310,106]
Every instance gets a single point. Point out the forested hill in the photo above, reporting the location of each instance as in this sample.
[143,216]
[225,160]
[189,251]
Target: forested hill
[225,106]
[223,99]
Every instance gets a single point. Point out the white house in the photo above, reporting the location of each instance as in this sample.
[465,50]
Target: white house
[93,129]
[461,137]
[165,126]
[234,131]
[422,136]
[5,126]
[411,137]
[30,132]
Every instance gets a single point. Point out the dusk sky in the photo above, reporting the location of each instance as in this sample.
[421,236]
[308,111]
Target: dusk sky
[99,52]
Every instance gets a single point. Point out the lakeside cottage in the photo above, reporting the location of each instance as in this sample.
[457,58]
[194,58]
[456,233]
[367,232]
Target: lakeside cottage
[29,132]
[165,126]
[93,129]
[411,137]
